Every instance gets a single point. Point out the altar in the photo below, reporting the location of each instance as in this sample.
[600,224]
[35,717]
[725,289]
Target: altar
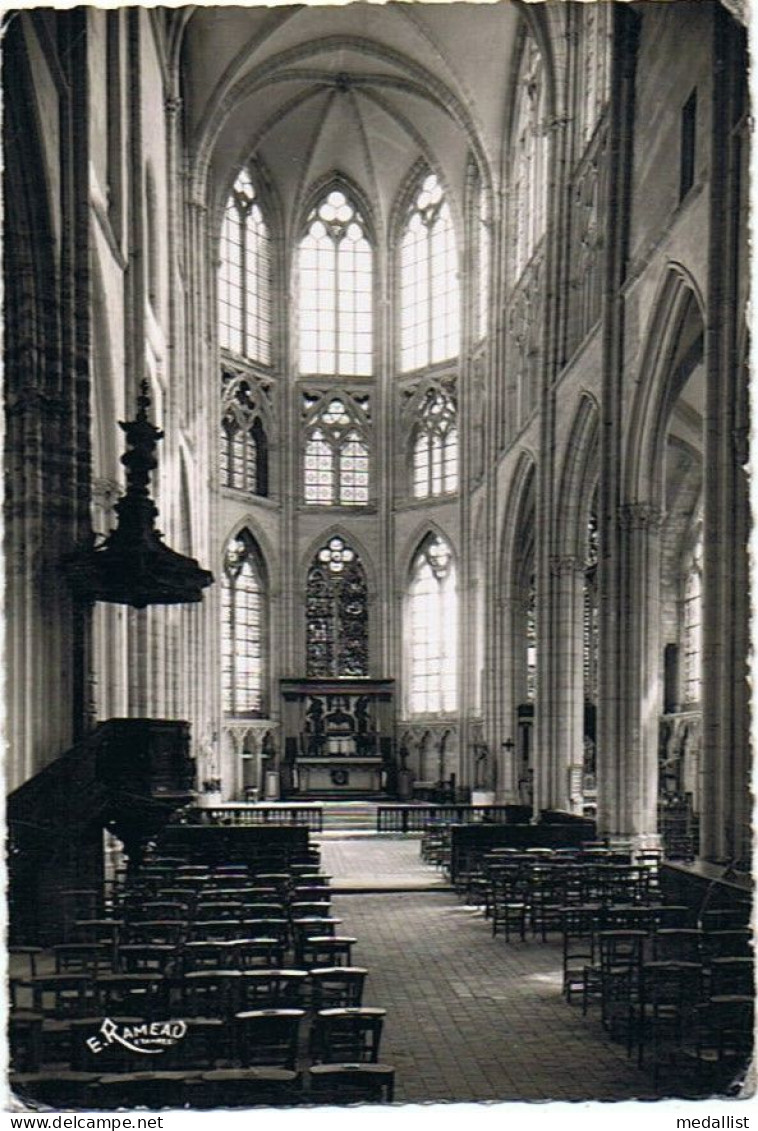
[338,738]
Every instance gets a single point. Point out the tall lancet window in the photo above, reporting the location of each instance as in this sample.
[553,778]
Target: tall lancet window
[336,606]
[435,447]
[335,272]
[432,629]
[430,302]
[244,633]
[529,166]
[244,277]
[692,618]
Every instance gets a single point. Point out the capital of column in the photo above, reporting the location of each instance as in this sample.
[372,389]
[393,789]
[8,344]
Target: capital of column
[173,106]
[561,566]
[640,516]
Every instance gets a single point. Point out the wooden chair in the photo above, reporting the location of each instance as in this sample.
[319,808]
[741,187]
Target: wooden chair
[327,951]
[268,1037]
[249,1087]
[25,1040]
[61,1090]
[82,958]
[153,1090]
[347,1035]
[337,987]
[138,995]
[351,1083]
[61,996]
[146,958]
[256,954]
[721,1043]
[668,996]
[579,929]
[731,976]
[616,969]
[209,993]
[271,989]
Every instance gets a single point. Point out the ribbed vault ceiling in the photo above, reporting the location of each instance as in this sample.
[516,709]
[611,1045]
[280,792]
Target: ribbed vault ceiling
[368,90]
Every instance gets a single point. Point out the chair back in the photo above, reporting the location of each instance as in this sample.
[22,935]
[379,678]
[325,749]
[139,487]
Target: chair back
[268,1037]
[335,987]
[346,1035]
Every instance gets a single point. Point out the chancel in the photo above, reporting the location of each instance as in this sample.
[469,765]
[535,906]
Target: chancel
[427,329]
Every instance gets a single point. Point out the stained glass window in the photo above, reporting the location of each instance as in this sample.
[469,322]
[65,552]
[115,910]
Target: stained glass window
[336,459]
[244,445]
[244,277]
[435,447]
[336,604]
[429,290]
[432,628]
[243,628]
[335,265]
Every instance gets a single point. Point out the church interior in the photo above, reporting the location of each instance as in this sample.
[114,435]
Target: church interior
[376,437]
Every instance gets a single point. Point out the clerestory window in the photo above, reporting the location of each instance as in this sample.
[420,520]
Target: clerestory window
[429,288]
[335,272]
[244,277]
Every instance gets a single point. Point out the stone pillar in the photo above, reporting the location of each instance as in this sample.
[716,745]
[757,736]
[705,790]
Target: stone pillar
[640,665]
[564,705]
[726,817]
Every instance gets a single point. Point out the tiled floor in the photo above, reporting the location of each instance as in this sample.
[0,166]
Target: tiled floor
[469,1017]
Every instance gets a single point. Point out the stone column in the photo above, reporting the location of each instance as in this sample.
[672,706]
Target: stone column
[564,705]
[726,817]
[640,665]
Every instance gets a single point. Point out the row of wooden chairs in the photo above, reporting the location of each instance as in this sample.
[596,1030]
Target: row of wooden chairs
[210,1090]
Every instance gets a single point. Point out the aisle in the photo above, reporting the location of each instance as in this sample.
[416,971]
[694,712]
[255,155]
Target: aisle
[377,863]
[469,1018]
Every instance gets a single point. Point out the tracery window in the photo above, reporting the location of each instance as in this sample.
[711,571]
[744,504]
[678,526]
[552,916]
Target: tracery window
[529,193]
[336,605]
[244,444]
[336,457]
[244,277]
[429,289]
[243,627]
[335,265]
[432,629]
[435,447]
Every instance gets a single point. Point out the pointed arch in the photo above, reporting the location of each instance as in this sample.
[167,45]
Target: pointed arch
[674,345]
[578,480]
